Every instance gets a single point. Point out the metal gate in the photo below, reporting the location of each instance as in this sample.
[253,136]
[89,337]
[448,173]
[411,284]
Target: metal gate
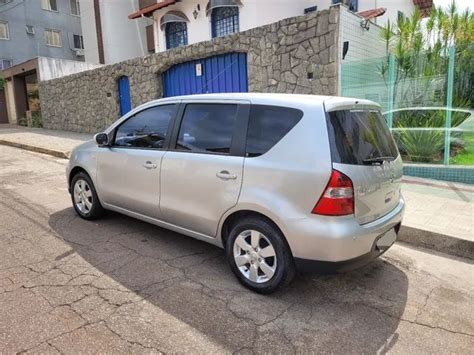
[3,107]
[124,95]
[221,73]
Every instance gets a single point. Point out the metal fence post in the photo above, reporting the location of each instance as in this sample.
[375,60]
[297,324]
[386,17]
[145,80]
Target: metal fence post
[391,89]
[449,105]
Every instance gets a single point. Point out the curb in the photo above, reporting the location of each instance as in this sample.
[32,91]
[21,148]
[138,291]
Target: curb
[439,242]
[54,153]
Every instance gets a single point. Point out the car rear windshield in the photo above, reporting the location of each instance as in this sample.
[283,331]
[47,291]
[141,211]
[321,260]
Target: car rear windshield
[359,137]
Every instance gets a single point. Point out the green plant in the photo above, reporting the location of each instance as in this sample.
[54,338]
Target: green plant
[2,83]
[466,155]
[424,146]
[36,119]
[22,122]
[433,118]
[420,49]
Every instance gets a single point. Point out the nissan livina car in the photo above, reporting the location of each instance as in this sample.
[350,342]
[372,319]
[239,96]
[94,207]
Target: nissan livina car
[283,183]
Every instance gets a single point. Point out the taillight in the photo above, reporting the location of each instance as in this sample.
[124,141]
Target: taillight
[338,198]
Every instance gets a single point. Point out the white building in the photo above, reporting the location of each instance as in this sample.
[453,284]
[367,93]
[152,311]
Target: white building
[157,25]
[109,37]
[177,23]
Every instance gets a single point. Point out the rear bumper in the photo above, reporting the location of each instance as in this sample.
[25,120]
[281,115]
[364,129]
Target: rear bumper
[339,239]
[316,266]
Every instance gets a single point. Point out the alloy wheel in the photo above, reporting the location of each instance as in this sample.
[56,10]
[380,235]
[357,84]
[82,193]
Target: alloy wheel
[83,198]
[255,256]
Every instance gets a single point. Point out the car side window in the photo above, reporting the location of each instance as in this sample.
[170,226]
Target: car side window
[267,126]
[207,128]
[146,129]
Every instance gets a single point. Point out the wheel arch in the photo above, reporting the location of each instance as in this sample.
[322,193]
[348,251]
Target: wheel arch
[232,217]
[74,171]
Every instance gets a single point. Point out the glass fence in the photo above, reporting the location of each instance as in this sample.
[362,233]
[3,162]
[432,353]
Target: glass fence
[428,104]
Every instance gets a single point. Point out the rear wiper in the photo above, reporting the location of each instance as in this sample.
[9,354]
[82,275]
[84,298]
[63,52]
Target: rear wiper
[378,160]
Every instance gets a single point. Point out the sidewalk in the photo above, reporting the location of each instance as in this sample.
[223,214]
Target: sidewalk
[439,215]
[55,143]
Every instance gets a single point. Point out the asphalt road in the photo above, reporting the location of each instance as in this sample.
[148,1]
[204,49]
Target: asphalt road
[119,285]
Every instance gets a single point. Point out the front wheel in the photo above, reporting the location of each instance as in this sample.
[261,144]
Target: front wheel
[84,197]
[259,255]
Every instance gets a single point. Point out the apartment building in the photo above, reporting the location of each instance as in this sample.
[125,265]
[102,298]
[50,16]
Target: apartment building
[177,23]
[39,28]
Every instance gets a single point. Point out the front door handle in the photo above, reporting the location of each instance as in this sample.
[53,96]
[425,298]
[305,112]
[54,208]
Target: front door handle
[149,165]
[225,175]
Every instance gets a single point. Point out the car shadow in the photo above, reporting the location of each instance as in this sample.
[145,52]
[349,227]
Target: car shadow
[356,312]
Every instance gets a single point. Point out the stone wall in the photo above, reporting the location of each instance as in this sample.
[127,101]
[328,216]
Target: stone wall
[280,56]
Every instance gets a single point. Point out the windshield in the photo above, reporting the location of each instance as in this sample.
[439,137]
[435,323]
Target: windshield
[359,137]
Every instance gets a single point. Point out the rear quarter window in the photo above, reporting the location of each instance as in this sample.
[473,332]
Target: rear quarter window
[267,126]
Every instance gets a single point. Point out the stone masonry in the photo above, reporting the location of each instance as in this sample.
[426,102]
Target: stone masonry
[281,57]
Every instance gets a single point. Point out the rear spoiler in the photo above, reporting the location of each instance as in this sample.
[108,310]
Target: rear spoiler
[345,103]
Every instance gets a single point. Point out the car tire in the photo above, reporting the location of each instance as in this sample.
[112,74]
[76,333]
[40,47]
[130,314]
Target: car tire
[84,197]
[251,260]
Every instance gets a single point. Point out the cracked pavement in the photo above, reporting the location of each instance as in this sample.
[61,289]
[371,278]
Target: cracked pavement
[118,285]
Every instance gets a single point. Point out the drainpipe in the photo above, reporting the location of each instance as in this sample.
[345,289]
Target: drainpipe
[98,29]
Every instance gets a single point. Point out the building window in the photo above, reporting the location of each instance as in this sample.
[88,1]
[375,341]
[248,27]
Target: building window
[4,34]
[30,29]
[5,63]
[352,4]
[53,38]
[225,20]
[75,10]
[78,41]
[176,34]
[49,5]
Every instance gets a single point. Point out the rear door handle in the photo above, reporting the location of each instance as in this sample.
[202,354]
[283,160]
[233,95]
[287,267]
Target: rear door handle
[225,175]
[149,165]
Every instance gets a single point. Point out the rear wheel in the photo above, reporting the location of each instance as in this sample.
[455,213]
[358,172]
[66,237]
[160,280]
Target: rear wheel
[84,197]
[259,256]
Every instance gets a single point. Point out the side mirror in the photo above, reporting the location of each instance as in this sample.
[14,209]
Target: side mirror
[101,139]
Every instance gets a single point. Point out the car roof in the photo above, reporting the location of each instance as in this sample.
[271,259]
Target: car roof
[330,102]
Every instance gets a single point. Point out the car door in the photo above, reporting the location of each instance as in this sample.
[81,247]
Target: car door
[201,174]
[128,172]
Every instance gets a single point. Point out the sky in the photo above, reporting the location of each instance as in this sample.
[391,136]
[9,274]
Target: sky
[460,4]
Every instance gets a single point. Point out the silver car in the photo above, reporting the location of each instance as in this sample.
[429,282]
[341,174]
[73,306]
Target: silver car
[281,182]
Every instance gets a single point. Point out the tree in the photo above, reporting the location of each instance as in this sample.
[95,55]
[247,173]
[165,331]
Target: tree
[420,48]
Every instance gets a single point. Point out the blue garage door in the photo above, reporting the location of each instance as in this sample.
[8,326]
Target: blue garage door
[221,73]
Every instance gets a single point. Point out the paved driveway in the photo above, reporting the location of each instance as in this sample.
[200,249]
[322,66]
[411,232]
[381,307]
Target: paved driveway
[120,285]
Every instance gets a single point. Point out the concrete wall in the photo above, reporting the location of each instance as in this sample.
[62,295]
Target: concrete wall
[53,68]
[279,56]
[123,38]
[22,46]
